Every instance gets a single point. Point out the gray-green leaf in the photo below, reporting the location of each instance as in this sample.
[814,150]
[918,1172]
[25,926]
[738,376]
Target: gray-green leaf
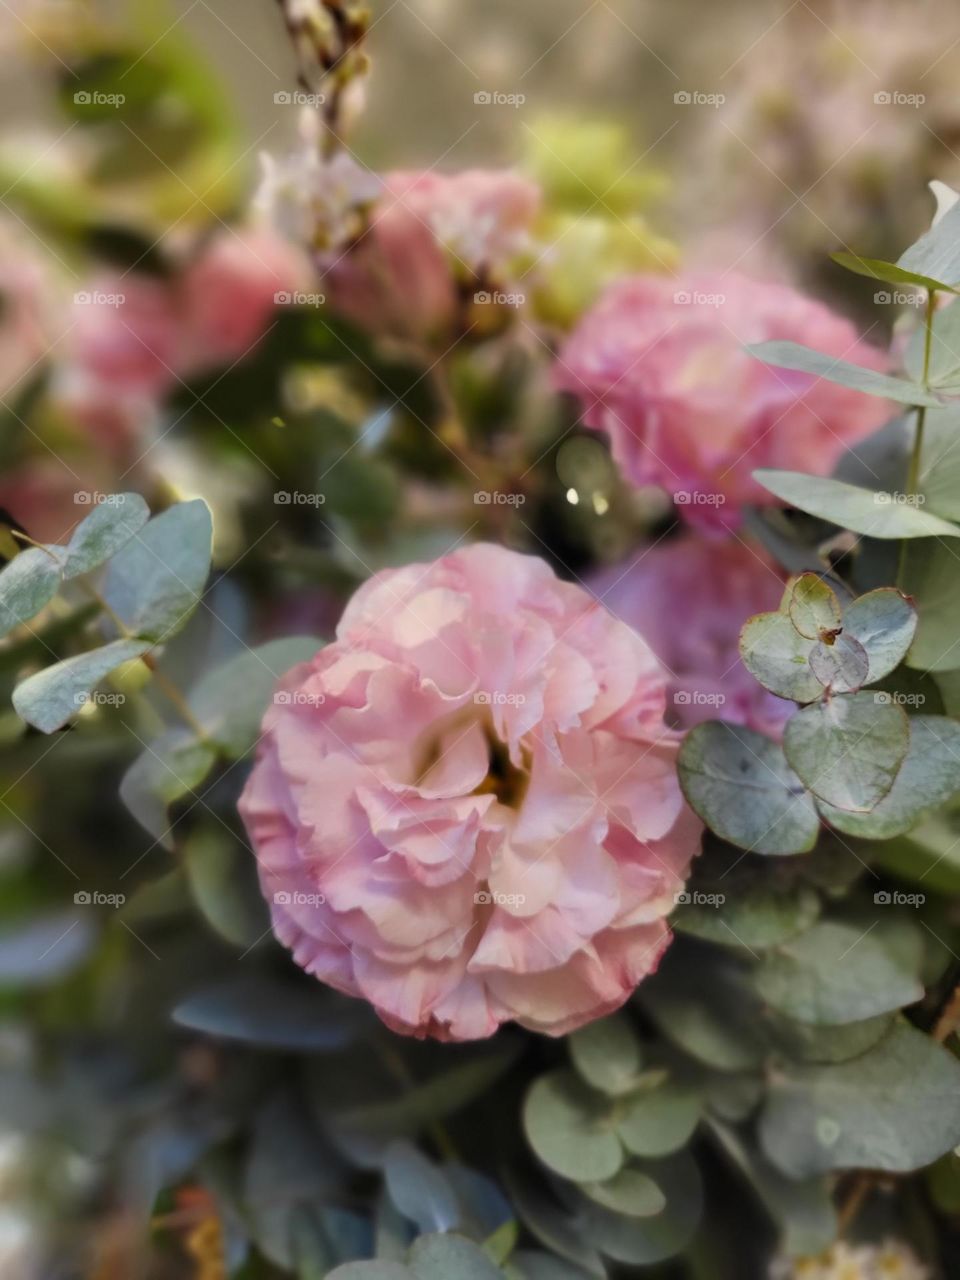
[27,584]
[876,514]
[48,699]
[606,1053]
[884,622]
[776,654]
[108,527]
[740,784]
[848,748]
[570,1130]
[157,580]
[791,355]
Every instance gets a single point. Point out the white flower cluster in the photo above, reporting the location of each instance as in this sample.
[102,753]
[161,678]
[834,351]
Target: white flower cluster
[889,1261]
[311,199]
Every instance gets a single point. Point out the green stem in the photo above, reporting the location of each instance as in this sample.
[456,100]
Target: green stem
[913,475]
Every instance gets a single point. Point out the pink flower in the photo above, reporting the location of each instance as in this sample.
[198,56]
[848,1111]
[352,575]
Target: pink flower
[659,365]
[465,809]
[127,333]
[427,231]
[689,598]
[227,295]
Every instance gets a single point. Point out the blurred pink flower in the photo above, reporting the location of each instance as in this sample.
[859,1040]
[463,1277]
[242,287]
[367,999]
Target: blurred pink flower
[428,230]
[466,809]
[689,598]
[26,303]
[127,333]
[659,365]
[228,293]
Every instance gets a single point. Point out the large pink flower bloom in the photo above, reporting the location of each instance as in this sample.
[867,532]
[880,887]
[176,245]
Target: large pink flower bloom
[659,365]
[466,809]
[689,598]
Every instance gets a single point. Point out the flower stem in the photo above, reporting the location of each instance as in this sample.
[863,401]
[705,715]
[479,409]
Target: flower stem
[913,475]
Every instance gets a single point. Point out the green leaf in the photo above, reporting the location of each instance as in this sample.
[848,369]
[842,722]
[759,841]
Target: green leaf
[552,1226]
[839,972]
[641,1242]
[222,878]
[569,1128]
[808,1042]
[894,1108]
[884,622]
[157,580]
[848,749]
[841,665]
[419,1189]
[375,1270]
[171,767]
[607,1054]
[531,1264]
[107,528]
[932,576]
[750,916]
[27,584]
[791,355]
[928,778]
[48,699]
[741,786]
[450,1257]
[657,1122]
[707,1008]
[936,254]
[813,606]
[776,654]
[929,857]
[629,1192]
[46,949]
[889,272]
[231,701]
[851,507]
[802,1210]
[269,1014]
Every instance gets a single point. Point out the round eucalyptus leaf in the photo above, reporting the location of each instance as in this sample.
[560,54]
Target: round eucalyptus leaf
[571,1129]
[630,1192]
[657,1122]
[606,1053]
[776,654]
[645,1241]
[840,664]
[814,607]
[884,622]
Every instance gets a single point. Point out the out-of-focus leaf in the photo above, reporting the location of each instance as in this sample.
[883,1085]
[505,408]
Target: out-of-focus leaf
[169,769]
[750,916]
[270,1014]
[45,949]
[27,584]
[230,702]
[420,1189]
[156,581]
[841,971]
[450,1257]
[645,1241]
[807,1042]
[936,254]
[803,1211]
[223,882]
[932,576]
[657,1122]
[889,272]
[630,1192]
[851,507]
[50,698]
[848,749]
[721,765]
[895,1107]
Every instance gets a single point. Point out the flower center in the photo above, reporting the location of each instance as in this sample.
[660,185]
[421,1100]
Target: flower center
[504,779]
